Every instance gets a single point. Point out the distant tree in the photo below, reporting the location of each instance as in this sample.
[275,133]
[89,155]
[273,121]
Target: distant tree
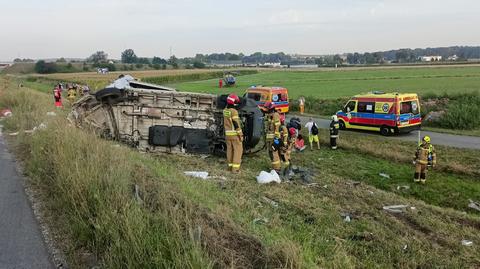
[143,60]
[61,60]
[173,61]
[198,64]
[156,66]
[42,67]
[164,66]
[129,56]
[98,57]
[158,60]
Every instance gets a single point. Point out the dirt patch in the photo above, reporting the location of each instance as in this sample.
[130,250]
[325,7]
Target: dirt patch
[230,247]
[431,235]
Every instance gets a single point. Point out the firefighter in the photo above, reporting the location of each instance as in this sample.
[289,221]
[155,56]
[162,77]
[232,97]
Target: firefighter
[424,156]
[71,94]
[301,104]
[334,126]
[284,160]
[233,133]
[287,150]
[273,131]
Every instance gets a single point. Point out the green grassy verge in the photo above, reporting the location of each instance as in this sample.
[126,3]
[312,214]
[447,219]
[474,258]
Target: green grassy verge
[191,223]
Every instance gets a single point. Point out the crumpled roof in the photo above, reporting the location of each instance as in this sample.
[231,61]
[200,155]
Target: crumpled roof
[121,83]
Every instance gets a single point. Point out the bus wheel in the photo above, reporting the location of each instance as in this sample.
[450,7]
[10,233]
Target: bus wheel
[384,130]
[342,125]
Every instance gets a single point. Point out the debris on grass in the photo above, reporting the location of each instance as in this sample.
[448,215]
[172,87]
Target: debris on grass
[6,112]
[51,114]
[270,201]
[265,177]
[395,208]
[13,134]
[474,205]
[354,183]
[387,176]
[260,221]
[137,194]
[347,217]
[403,187]
[362,236]
[197,174]
[467,243]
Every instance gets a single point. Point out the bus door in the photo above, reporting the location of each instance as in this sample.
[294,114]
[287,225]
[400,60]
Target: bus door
[365,113]
[350,110]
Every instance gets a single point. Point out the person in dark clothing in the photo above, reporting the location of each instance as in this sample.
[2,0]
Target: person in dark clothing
[334,126]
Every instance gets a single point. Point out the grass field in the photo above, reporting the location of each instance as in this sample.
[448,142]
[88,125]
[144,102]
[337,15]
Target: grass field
[345,82]
[189,223]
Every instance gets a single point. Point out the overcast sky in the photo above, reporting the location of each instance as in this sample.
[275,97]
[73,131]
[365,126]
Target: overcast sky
[61,28]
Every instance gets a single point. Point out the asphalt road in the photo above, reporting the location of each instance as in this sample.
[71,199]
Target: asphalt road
[458,141]
[21,241]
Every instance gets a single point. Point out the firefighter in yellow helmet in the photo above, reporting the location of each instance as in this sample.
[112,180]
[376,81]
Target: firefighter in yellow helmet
[273,135]
[233,133]
[424,156]
[71,94]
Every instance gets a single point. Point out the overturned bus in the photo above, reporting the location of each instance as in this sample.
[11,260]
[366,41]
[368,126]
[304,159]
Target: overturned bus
[155,118]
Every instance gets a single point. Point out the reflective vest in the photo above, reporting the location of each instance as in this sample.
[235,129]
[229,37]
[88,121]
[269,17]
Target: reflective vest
[273,125]
[334,126]
[231,123]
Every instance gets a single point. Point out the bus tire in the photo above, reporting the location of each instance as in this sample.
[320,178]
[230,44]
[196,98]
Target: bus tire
[341,124]
[385,130]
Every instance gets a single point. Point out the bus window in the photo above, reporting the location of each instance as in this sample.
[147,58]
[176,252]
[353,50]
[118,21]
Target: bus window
[409,107]
[276,97]
[255,96]
[283,97]
[350,106]
[264,98]
[366,107]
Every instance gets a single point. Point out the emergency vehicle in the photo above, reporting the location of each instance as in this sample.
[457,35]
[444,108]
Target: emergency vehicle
[384,112]
[278,96]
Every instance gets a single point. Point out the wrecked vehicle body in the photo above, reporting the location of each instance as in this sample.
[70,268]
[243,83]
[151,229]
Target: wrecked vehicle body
[155,118]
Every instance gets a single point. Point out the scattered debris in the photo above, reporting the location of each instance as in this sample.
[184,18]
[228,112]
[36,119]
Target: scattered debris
[371,192]
[303,173]
[403,187]
[265,177]
[363,236]
[13,134]
[405,247]
[39,127]
[270,201]
[474,205]
[395,208]
[6,112]
[196,234]
[347,217]
[354,183]
[51,113]
[198,174]
[467,243]
[413,208]
[137,194]
[260,221]
[384,175]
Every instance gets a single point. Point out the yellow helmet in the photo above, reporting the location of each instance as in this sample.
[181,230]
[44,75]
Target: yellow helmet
[426,139]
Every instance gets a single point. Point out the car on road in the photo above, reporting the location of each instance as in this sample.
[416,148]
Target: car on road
[385,112]
[154,118]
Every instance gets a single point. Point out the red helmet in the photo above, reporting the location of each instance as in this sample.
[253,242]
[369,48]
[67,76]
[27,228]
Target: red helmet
[233,99]
[292,131]
[282,119]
